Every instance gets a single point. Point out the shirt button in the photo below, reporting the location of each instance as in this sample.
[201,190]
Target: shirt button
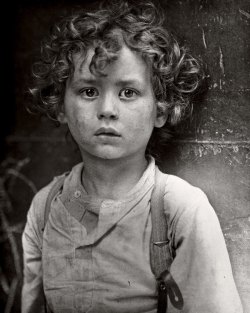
[77,194]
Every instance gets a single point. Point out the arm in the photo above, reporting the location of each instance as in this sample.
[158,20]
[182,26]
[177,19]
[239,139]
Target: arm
[201,265]
[32,291]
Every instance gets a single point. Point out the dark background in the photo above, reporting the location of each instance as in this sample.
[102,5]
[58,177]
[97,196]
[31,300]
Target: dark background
[212,150]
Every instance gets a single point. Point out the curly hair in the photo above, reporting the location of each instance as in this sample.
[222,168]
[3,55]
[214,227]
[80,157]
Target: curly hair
[176,75]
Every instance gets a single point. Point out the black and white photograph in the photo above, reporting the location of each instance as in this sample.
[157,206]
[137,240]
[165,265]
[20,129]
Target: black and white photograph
[125,156]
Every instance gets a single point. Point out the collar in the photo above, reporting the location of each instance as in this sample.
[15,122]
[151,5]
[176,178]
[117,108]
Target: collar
[73,188]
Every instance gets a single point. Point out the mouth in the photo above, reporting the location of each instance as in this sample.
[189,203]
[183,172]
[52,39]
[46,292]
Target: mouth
[109,132]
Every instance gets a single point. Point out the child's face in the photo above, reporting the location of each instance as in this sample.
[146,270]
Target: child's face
[112,116]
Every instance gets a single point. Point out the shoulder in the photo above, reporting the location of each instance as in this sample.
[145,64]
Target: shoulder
[39,201]
[37,208]
[180,193]
[189,213]
[38,205]
[183,201]
[37,211]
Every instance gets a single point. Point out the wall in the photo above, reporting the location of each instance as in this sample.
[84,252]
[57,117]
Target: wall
[212,150]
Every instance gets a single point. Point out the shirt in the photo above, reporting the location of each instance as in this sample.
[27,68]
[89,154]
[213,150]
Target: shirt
[94,254]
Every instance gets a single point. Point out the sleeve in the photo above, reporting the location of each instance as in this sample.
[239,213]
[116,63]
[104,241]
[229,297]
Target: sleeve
[32,290]
[201,265]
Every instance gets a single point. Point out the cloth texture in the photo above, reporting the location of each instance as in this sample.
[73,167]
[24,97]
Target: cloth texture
[94,254]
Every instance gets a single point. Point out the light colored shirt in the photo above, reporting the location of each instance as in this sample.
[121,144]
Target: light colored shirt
[94,254]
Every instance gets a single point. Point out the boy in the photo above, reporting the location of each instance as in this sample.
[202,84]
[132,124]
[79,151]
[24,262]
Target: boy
[116,77]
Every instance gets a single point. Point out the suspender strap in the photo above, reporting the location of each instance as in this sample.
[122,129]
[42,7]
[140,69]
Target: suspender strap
[52,193]
[160,259]
[159,249]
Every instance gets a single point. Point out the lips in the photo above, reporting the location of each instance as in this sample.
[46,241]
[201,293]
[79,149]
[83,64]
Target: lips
[107,131]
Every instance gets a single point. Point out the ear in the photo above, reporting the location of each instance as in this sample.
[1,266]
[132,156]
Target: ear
[61,117]
[161,114]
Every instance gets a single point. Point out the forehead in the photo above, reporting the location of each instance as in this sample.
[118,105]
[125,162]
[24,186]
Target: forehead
[129,66]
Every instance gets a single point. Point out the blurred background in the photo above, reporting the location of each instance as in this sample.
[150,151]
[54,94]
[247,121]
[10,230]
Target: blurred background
[211,150]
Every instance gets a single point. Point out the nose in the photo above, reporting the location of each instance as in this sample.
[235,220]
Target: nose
[107,108]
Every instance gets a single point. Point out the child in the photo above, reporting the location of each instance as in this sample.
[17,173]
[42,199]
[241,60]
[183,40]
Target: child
[116,77]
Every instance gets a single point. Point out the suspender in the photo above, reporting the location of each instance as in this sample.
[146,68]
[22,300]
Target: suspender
[160,256]
[52,193]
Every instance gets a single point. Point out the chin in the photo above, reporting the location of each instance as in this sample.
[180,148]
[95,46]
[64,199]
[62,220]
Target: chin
[108,154]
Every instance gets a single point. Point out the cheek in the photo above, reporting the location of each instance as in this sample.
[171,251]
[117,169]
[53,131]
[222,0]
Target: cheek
[76,125]
[144,118]
[78,117]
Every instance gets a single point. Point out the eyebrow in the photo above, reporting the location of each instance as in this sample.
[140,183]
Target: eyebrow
[93,81]
[127,82]
[79,82]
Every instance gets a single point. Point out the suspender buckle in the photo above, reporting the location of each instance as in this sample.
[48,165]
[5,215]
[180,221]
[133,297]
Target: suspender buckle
[168,287]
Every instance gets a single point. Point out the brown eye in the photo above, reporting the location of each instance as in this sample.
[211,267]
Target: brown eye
[90,92]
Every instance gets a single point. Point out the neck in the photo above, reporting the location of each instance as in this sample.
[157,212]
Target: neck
[111,179]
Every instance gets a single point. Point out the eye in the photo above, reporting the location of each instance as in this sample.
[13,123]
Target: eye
[128,93]
[89,92]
